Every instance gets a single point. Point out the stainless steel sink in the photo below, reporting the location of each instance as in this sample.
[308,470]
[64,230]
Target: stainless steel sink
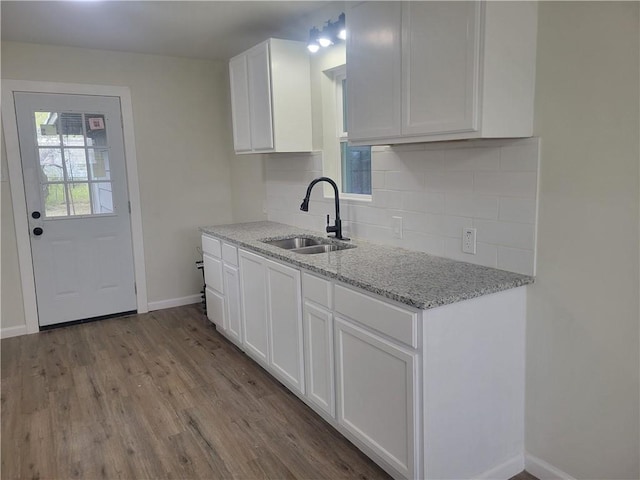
[308,245]
[296,242]
[318,249]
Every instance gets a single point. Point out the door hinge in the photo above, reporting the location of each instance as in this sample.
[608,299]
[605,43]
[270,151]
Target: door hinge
[129,203]
[135,288]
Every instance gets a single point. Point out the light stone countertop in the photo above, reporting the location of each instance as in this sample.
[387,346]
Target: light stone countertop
[414,278]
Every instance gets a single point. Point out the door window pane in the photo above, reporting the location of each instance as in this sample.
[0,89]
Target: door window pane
[79,202]
[102,197]
[55,200]
[76,164]
[75,176]
[51,165]
[99,164]
[71,129]
[356,169]
[96,129]
[47,129]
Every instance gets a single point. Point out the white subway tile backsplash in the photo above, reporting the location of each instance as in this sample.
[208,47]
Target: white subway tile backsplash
[486,254]
[424,242]
[473,159]
[513,184]
[377,180]
[437,189]
[515,260]
[402,181]
[521,210]
[520,158]
[387,199]
[449,181]
[506,234]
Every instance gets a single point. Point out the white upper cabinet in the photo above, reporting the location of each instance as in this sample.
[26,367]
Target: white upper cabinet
[374,70]
[428,71]
[271,98]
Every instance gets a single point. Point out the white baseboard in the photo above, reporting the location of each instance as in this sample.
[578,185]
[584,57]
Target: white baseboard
[13,331]
[543,470]
[175,302]
[508,469]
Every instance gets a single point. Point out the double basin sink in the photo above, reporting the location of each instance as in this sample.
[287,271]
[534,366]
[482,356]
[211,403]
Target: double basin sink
[308,245]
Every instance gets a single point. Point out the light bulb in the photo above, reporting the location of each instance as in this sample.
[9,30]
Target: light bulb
[324,41]
[313,47]
[342,34]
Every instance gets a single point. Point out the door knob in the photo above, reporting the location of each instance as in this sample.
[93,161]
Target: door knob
[37,231]
[35,215]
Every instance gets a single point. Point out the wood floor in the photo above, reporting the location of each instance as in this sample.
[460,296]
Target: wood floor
[155,396]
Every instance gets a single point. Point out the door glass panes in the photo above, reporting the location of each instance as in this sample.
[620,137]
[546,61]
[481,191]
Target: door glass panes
[75,161]
[55,200]
[356,169]
[96,131]
[51,165]
[75,177]
[79,202]
[71,129]
[99,164]
[47,128]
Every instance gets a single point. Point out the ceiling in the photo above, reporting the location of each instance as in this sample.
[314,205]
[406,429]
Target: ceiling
[198,29]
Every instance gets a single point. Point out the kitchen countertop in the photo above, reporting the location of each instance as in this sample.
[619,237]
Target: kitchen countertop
[414,278]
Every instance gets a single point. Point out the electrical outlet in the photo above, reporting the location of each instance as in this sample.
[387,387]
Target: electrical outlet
[469,240]
[397,227]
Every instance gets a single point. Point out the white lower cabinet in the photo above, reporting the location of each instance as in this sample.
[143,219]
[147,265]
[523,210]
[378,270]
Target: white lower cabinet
[254,306]
[285,324]
[425,394]
[272,317]
[215,307]
[377,394]
[318,349]
[231,281]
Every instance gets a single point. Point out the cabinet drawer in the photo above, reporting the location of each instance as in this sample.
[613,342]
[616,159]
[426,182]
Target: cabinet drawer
[393,321]
[211,246]
[317,290]
[212,272]
[230,254]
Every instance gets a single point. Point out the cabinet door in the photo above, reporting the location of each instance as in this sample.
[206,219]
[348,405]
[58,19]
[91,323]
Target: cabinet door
[212,272]
[239,79]
[285,324]
[261,120]
[441,73]
[232,303]
[377,395]
[374,70]
[215,308]
[318,347]
[254,306]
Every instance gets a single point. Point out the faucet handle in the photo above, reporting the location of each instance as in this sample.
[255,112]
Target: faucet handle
[327,219]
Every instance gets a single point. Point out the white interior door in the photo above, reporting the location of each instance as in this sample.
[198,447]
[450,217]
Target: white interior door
[75,182]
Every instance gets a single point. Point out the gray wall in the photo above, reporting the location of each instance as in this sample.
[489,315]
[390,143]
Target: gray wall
[582,337]
[182,126]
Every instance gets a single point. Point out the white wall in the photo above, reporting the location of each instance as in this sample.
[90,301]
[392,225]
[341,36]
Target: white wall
[582,337]
[183,139]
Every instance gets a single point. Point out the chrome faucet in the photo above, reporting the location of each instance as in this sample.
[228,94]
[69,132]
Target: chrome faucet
[337,226]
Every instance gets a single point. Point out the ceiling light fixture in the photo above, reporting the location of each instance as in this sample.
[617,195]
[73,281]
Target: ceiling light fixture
[331,33]
[313,46]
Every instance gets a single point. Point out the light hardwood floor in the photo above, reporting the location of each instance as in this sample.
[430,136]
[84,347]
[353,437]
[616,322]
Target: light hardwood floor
[156,396]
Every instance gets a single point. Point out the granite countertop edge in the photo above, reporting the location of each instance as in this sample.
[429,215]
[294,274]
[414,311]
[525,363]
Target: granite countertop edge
[251,236]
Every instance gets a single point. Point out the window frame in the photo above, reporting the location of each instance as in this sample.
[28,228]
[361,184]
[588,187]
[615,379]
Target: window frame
[339,76]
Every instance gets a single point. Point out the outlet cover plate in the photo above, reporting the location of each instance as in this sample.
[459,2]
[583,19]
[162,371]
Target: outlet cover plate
[469,240]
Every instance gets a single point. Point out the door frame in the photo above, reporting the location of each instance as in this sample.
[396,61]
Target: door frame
[16,180]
